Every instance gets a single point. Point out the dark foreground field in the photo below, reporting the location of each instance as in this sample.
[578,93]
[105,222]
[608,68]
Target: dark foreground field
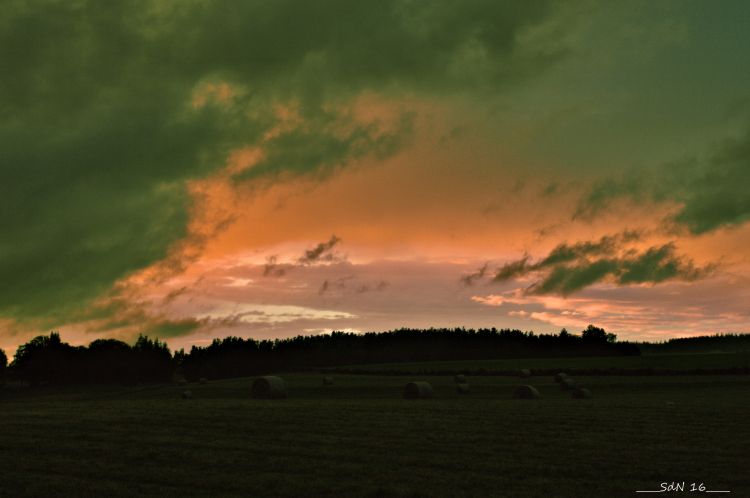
[358,438]
[673,363]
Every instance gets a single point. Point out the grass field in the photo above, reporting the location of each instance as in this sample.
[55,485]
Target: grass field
[358,438]
[676,362]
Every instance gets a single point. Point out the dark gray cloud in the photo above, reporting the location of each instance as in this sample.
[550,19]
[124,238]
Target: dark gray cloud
[351,285]
[274,269]
[321,252]
[338,285]
[470,278]
[372,287]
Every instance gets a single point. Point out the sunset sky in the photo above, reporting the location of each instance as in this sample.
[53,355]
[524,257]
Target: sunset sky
[195,169]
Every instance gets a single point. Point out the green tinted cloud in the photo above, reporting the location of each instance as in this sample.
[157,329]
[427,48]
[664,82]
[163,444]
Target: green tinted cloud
[711,192]
[571,268]
[98,134]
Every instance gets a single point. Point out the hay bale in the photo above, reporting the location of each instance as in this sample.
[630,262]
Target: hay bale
[560,376]
[327,381]
[462,388]
[567,384]
[581,393]
[524,373]
[418,390]
[526,392]
[269,387]
[202,380]
[187,395]
[459,379]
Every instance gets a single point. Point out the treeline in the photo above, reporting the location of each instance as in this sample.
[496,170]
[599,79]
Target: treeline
[46,359]
[236,357]
[49,360]
[719,343]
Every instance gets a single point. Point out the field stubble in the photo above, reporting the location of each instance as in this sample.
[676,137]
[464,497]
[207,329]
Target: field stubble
[358,438]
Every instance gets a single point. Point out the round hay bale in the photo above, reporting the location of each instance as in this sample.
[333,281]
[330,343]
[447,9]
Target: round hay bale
[462,388]
[269,387]
[526,392]
[459,379]
[327,381]
[524,373]
[581,393]
[187,395]
[567,384]
[202,380]
[560,376]
[418,390]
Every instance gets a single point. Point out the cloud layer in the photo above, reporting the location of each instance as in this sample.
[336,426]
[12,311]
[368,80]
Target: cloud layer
[110,109]
[178,167]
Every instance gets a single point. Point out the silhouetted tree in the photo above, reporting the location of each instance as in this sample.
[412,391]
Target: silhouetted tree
[110,361]
[46,359]
[597,335]
[3,364]
[152,360]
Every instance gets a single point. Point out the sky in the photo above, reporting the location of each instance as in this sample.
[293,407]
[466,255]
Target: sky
[195,169]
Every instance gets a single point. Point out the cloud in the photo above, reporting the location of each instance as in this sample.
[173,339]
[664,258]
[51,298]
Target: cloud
[274,269]
[238,313]
[571,268]
[469,279]
[511,270]
[491,300]
[349,284]
[372,287]
[126,318]
[238,282]
[519,313]
[708,193]
[331,285]
[110,110]
[174,328]
[321,252]
[714,193]
[608,244]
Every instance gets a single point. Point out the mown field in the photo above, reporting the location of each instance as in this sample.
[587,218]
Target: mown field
[359,438]
[674,362]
